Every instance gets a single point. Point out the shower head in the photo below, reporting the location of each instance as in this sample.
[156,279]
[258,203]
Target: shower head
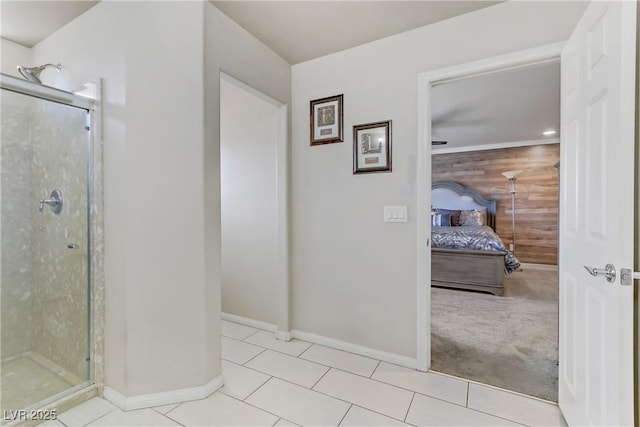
[33,74]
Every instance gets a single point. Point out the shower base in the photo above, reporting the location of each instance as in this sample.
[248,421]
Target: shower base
[29,378]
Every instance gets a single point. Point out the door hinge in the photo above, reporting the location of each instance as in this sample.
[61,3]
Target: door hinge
[627,276]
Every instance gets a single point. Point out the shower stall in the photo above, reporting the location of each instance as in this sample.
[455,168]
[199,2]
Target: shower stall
[46,232]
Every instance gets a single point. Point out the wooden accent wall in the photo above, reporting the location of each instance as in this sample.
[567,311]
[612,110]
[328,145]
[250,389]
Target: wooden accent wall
[536,193]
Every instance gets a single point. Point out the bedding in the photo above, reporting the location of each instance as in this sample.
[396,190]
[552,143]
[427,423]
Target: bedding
[478,238]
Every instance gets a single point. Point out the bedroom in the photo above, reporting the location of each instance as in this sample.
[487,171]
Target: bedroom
[506,336]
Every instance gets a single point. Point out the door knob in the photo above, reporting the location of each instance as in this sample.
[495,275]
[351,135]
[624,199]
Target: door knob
[609,272]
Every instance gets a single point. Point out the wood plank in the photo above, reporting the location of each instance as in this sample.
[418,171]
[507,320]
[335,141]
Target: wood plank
[536,193]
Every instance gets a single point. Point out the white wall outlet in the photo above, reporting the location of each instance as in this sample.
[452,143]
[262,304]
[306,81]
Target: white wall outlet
[395,214]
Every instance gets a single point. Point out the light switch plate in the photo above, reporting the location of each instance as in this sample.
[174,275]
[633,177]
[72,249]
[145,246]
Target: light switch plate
[395,214]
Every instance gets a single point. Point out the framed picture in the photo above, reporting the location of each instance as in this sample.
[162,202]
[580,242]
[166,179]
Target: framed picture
[372,147]
[326,120]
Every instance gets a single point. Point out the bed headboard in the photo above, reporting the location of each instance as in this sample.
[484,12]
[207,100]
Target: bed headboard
[451,195]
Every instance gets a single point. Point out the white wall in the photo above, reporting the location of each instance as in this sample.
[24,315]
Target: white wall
[248,151]
[354,277]
[12,55]
[161,174]
[231,49]
[162,331]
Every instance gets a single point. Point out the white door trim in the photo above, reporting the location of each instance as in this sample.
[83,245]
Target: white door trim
[425,81]
[282,295]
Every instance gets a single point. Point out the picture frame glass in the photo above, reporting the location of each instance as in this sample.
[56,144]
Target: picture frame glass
[326,120]
[371,149]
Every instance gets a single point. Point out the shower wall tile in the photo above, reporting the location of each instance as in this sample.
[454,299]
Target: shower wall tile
[16,200]
[60,291]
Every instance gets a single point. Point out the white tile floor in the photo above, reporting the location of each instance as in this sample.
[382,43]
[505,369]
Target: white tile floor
[274,383]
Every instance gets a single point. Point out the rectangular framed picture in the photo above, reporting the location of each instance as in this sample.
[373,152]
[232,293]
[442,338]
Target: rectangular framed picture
[326,120]
[372,147]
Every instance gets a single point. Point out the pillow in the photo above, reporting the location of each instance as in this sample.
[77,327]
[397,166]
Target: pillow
[454,216]
[473,218]
[440,220]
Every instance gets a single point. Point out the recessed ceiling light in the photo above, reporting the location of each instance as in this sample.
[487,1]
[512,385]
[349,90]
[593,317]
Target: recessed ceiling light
[549,132]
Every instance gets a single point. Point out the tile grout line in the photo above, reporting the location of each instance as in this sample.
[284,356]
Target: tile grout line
[263,350]
[391,385]
[305,350]
[248,336]
[336,398]
[255,406]
[409,408]
[375,369]
[311,344]
[500,417]
[348,372]
[257,388]
[101,416]
[345,415]
[288,355]
[319,379]
[340,350]
[337,368]
[358,405]
[361,376]
[175,421]
[272,349]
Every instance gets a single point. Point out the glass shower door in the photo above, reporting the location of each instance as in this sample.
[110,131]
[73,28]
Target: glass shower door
[44,251]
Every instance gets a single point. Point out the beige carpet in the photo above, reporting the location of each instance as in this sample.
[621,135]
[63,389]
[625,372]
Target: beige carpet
[509,342]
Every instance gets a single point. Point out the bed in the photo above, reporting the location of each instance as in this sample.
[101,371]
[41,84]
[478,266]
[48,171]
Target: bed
[466,252]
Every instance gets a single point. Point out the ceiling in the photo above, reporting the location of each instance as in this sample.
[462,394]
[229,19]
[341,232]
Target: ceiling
[29,22]
[295,30]
[483,109]
[302,30]
[506,106]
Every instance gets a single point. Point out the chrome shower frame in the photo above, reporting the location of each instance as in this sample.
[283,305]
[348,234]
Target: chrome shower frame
[91,101]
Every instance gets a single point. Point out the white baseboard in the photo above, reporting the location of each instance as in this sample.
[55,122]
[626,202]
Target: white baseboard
[542,267]
[283,336]
[258,324]
[163,398]
[396,359]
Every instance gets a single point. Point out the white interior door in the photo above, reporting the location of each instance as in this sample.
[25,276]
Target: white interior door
[597,216]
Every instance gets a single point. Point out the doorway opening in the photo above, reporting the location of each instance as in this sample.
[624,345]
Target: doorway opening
[254,203]
[492,329]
